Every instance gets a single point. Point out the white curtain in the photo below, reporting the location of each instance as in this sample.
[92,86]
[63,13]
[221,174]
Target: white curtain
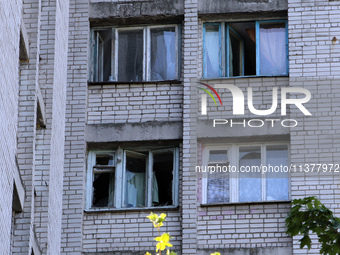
[212,50]
[135,189]
[273,54]
[111,190]
[163,65]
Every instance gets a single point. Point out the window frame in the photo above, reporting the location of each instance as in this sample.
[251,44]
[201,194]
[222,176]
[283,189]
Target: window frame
[233,158]
[146,51]
[119,189]
[224,48]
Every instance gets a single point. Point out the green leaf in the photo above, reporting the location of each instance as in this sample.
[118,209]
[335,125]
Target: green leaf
[305,241]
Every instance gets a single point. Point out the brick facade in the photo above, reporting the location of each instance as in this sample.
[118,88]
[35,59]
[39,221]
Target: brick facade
[52,115]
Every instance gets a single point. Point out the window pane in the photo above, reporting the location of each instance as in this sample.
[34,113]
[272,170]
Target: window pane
[242,48]
[130,55]
[250,179]
[135,180]
[218,156]
[162,178]
[103,189]
[218,186]
[273,51]
[277,180]
[104,160]
[235,54]
[102,54]
[218,181]
[212,48]
[163,54]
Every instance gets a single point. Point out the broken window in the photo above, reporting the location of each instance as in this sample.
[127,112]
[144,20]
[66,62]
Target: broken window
[239,173]
[133,178]
[237,49]
[149,53]
[103,180]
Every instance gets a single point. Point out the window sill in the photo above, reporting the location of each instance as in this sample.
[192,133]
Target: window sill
[133,82]
[247,203]
[145,209]
[242,77]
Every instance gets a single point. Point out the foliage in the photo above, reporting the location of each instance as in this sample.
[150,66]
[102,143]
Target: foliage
[163,241]
[309,215]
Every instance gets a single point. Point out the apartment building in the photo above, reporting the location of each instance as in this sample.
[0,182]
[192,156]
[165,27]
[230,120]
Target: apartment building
[112,109]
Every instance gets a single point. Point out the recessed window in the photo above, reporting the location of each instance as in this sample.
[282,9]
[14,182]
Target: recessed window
[127,54]
[257,48]
[245,173]
[133,178]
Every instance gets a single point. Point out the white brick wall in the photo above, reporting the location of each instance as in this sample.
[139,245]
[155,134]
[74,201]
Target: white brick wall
[134,103]
[24,223]
[243,226]
[75,146]
[10,13]
[314,64]
[127,231]
[42,157]
[50,141]
[58,129]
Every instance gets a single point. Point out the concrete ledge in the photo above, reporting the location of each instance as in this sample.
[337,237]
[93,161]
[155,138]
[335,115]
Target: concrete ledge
[124,132]
[105,13]
[24,43]
[224,133]
[35,245]
[41,113]
[19,191]
[241,6]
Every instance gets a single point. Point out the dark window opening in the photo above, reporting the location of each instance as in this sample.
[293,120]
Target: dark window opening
[103,181]
[104,160]
[102,184]
[163,176]
[246,34]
